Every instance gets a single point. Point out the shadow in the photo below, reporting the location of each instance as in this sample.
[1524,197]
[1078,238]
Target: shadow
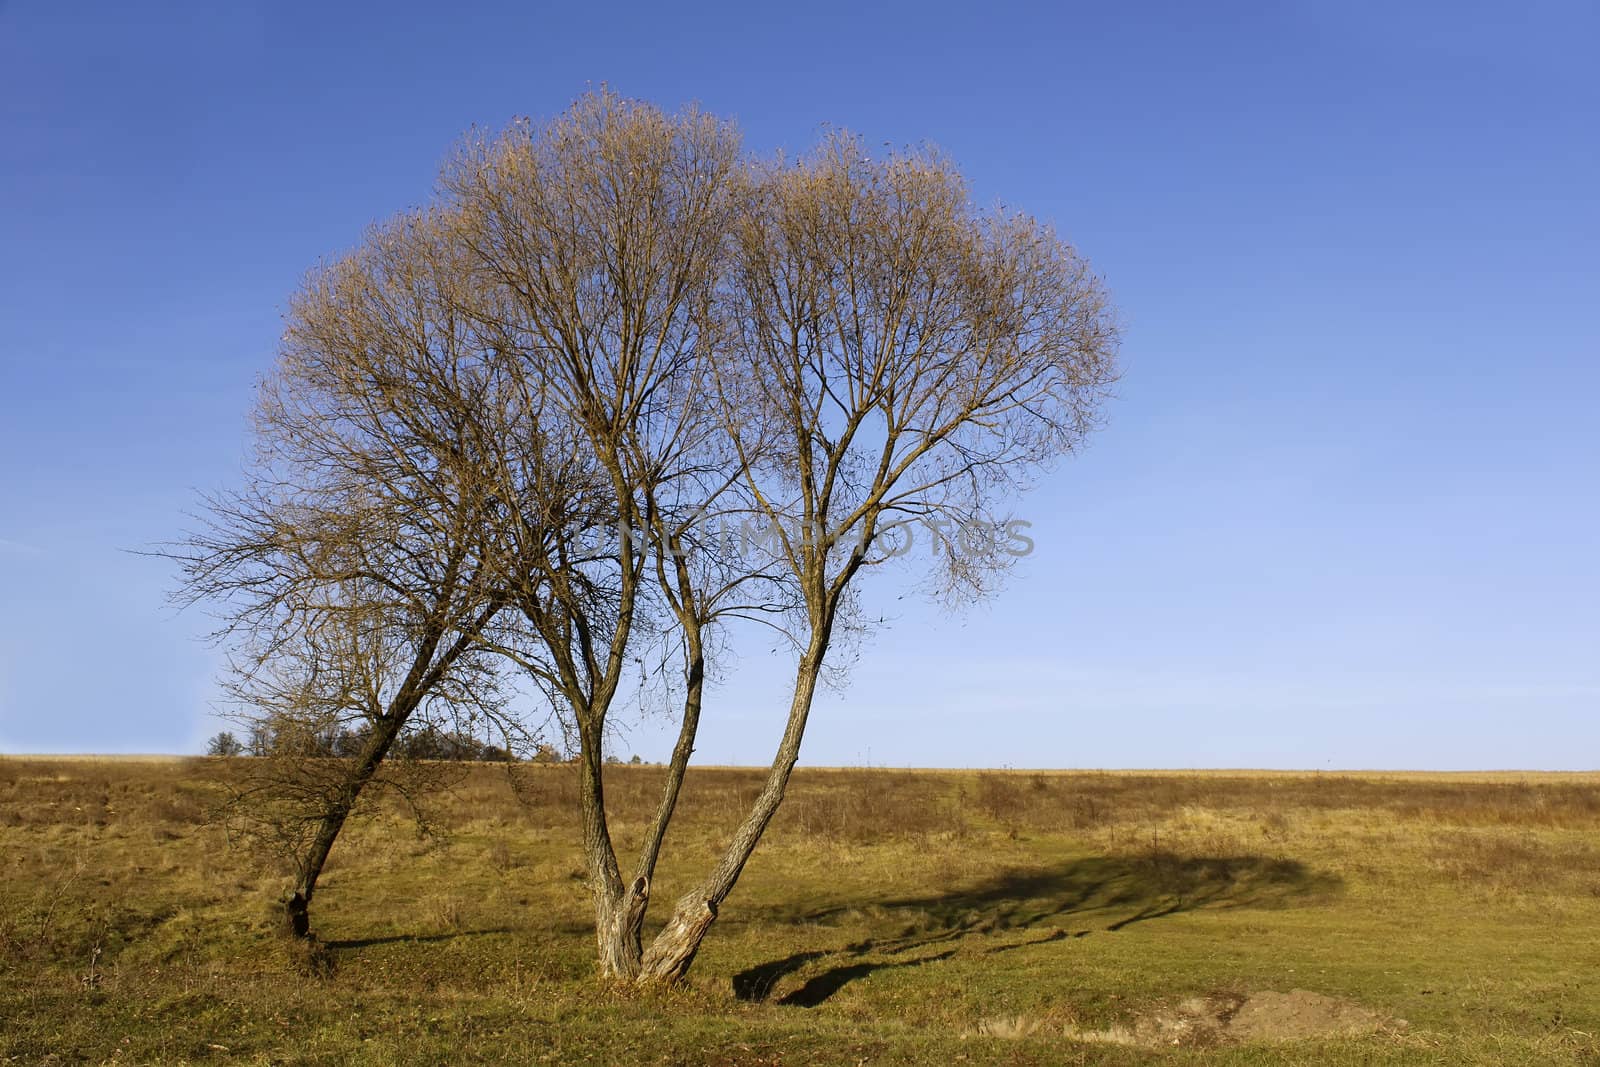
[1107,893]
[1053,935]
[829,982]
[420,939]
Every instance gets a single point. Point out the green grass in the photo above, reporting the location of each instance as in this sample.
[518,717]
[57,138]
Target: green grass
[890,917]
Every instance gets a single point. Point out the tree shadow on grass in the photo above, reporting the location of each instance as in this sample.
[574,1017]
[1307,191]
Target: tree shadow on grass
[1110,893]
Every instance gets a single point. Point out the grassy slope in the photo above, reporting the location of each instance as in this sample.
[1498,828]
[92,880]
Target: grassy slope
[890,917]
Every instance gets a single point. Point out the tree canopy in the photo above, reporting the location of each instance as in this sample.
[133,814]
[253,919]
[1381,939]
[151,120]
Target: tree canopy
[508,435]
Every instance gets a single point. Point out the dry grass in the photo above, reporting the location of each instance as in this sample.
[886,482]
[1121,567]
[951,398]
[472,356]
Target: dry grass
[892,916]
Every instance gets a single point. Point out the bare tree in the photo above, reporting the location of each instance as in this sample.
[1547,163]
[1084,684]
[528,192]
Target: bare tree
[224,744]
[900,356]
[349,576]
[513,429]
[600,242]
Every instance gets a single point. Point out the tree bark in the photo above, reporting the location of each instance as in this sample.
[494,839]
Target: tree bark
[673,950]
[617,929]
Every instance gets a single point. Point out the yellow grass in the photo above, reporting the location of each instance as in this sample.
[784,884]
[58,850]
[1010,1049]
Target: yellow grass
[891,917]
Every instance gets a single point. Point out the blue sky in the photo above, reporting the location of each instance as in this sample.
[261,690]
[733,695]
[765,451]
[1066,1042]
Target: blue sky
[1344,511]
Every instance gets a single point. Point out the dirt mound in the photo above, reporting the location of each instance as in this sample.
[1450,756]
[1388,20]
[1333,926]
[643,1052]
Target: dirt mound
[1230,1018]
[1299,1014]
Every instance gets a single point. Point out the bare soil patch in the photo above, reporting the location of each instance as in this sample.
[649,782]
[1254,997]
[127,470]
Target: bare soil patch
[1231,1018]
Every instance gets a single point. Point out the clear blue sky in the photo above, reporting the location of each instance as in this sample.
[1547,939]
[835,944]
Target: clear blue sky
[1344,513]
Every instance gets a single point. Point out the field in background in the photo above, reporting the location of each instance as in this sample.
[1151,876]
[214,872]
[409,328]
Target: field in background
[891,916]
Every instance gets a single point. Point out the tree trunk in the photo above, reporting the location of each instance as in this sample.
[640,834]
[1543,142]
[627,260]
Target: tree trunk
[678,765]
[296,909]
[619,914]
[673,950]
[618,908]
[617,930]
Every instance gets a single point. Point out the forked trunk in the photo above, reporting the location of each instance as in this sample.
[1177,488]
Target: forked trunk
[619,916]
[672,952]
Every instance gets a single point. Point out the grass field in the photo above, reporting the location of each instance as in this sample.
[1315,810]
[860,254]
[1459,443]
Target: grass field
[890,917]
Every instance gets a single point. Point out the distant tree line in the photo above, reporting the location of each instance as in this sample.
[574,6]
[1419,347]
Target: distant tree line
[347,743]
[429,743]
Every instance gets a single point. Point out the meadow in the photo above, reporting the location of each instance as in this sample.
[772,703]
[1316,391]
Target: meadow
[890,917]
